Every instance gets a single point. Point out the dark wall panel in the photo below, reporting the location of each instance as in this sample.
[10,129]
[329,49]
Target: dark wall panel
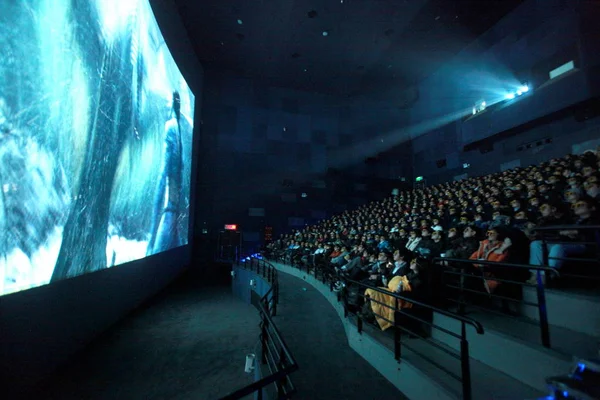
[536,38]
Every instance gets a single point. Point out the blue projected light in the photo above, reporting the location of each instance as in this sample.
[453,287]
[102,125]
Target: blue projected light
[103,179]
[521,90]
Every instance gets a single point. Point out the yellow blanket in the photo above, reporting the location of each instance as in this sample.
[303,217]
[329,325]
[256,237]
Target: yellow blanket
[384,314]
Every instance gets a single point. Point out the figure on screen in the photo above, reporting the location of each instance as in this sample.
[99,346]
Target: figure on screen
[168,200]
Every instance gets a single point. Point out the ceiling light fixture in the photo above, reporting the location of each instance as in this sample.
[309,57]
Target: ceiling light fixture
[240,22]
[325,33]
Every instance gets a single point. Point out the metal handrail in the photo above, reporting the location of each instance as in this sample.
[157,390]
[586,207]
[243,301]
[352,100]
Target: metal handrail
[469,321]
[565,227]
[503,264]
[465,376]
[286,363]
[549,237]
[540,287]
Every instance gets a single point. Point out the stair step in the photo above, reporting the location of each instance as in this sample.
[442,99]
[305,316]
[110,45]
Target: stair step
[575,309]
[486,382]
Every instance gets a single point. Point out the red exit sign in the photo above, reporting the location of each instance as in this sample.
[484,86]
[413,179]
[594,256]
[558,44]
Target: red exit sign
[231,227]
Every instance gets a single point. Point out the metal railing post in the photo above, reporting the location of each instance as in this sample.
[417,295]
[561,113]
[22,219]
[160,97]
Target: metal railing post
[275,298]
[542,310]
[343,295]
[461,298]
[465,364]
[541,296]
[397,334]
[281,366]
[259,394]
[359,323]
[263,339]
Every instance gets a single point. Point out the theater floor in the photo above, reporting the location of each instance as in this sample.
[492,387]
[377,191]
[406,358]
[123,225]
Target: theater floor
[190,343]
[329,368]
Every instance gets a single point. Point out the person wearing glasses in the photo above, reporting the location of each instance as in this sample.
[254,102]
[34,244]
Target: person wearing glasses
[585,212]
[494,248]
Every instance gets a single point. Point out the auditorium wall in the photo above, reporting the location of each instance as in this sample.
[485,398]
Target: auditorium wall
[564,136]
[265,146]
[44,327]
[523,47]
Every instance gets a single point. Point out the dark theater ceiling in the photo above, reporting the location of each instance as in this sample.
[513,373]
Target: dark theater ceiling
[343,47]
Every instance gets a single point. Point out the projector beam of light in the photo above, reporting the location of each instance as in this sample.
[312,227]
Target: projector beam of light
[357,153]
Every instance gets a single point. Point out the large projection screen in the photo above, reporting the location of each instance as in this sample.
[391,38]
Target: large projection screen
[96,125]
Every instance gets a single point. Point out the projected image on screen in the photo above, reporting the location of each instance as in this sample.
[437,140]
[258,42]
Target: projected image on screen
[95,139]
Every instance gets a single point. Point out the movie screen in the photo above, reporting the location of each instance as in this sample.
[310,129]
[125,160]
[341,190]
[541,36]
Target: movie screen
[96,126]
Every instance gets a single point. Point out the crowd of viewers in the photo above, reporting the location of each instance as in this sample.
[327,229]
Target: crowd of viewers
[490,218]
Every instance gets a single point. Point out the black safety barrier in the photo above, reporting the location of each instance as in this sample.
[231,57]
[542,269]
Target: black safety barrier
[467,273]
[275,354]
[400,332]
[582,268]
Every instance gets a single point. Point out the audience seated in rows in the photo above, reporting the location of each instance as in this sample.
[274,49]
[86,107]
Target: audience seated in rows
[490,218]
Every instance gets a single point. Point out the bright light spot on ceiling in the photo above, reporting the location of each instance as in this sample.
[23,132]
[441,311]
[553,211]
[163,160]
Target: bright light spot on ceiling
[325,33]
[240,22]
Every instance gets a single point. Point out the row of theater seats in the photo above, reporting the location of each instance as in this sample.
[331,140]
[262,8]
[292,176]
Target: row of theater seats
[505,219]
[493,218]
